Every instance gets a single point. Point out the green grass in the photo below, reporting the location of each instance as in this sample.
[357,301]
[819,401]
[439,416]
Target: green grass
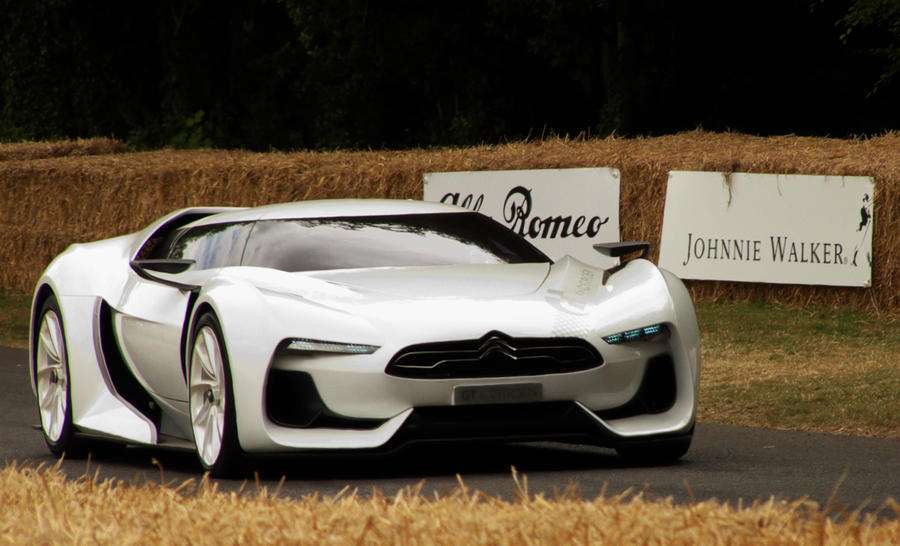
[763,365]
[821,369]
[863,403]
[786,331]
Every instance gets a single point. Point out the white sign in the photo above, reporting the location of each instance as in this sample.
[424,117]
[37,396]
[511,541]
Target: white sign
[790,229]
[561,211]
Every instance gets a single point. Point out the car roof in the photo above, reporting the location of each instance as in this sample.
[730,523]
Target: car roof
[329,208]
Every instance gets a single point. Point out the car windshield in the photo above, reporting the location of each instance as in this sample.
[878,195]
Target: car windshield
[316,244]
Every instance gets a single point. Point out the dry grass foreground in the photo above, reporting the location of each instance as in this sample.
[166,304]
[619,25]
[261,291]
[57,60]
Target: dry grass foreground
[46,205]
[61,148]
[40,506]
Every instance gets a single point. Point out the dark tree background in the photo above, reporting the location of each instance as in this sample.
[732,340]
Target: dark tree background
[324,74]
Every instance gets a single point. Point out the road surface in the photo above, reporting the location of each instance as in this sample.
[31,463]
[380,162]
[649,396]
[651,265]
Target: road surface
[725,463]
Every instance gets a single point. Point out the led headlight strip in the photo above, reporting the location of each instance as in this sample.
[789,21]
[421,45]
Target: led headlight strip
[303,345]
[647,333]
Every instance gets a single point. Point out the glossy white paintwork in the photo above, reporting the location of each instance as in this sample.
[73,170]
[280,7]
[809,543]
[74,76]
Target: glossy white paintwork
[95,405]
[386,307]
[149,319]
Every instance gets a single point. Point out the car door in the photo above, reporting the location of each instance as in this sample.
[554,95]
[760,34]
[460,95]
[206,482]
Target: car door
[152,314]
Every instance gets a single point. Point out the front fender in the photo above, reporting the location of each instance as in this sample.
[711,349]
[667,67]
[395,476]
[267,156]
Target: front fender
[686,321]
[254,322]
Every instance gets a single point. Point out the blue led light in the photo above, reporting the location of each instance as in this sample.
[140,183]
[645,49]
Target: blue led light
[613,339]
[638,334]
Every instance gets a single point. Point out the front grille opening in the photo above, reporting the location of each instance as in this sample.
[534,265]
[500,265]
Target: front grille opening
[657,392]
[655,395]
[292,400]
[494,355]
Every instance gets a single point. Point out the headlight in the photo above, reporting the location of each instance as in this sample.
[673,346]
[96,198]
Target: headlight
[302,345]
[655,332]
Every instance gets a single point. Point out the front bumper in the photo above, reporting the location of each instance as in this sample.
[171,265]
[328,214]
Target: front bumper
[312,404]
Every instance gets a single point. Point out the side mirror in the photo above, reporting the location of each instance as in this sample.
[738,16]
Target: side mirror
[144,267]
[163,265]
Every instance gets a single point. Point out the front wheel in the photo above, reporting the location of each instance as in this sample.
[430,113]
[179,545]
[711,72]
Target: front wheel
[54,394]
[211,399]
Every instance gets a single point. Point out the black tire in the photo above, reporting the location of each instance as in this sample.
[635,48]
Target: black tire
[228,460]
[655,452]
[51,367]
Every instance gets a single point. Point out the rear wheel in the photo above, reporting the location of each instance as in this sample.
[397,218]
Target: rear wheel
[211,400]
[54,393]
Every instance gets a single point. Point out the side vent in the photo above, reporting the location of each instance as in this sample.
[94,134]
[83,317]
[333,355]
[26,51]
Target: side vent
[123,381]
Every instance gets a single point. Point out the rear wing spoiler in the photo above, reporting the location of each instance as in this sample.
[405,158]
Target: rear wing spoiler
[620,250]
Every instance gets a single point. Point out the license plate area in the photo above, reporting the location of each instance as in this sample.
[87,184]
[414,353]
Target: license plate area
[516,393]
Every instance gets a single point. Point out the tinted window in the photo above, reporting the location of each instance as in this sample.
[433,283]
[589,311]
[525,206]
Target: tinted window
[217,245]
[159,244]
[379,241]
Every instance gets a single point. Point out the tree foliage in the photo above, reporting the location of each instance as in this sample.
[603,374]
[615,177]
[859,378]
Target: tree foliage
[398,73]
[876,24]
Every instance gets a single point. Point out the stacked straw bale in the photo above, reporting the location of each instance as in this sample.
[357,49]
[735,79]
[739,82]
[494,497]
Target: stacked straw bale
[41,150]
[47,204]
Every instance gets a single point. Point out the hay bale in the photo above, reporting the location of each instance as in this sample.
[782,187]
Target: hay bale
[46,205]
[79,147]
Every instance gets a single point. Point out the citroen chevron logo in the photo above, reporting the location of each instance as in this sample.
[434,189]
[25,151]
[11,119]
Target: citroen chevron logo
[495,343]
[495,354]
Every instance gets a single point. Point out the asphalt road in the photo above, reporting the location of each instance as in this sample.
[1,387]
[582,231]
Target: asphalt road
[725,463]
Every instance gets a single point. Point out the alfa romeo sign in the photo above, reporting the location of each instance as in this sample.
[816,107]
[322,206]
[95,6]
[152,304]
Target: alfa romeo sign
[561,211]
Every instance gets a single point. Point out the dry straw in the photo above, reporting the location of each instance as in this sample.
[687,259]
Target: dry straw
[63,148]
[46,205]
[40,506]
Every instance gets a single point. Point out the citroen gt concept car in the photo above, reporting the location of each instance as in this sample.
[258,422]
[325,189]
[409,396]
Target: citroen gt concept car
[356,325]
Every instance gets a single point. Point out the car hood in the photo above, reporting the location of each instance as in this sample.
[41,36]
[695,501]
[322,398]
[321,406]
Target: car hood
[470,281]
[405,305]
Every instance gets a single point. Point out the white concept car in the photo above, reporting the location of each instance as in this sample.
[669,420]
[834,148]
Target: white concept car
[356,325]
